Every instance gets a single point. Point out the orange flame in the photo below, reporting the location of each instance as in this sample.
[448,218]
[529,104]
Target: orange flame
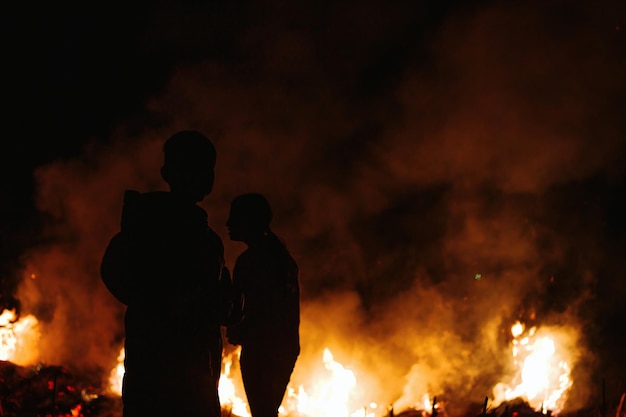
[116,376]
[228,388]
[330,393]
[540,358]
[542,369]
[18,338]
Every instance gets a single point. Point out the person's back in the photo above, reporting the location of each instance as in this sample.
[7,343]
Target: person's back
[166,265]
[267,274]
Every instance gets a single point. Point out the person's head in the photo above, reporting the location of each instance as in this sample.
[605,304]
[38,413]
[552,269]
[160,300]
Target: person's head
[250,217]
[189,164]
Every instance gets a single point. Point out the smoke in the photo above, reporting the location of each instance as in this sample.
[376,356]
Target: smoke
[435,179]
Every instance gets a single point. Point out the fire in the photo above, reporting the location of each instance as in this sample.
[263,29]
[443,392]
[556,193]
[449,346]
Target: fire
[18,338]
[541,360]
[542,369]
[329,395]
[116,375]
[228,387]
[428,404]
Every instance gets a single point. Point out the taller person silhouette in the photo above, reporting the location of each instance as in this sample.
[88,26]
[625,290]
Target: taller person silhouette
[167,266]
[267,275]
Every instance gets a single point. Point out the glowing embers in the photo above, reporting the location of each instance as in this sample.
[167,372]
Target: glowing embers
[541,363]
[18,338]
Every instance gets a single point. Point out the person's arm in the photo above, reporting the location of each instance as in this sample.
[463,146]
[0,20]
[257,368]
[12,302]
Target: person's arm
[235,332]
[231,300]
[115,268]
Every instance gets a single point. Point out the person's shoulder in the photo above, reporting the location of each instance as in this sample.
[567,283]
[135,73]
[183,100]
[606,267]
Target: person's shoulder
[213,234]
[277,248]
[149,197]
[148,201]
[247,257]
[167,202]
[215,238]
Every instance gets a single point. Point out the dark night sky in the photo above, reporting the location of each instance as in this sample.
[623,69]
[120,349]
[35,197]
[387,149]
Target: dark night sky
[406,145]
[72,73]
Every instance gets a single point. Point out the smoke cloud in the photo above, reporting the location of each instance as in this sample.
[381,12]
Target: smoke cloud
[435,184]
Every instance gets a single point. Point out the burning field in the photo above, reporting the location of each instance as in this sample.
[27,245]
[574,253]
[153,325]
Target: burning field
[538,381]
[452,192]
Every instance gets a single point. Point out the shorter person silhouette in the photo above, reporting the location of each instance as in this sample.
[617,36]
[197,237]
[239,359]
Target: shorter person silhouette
[267,275]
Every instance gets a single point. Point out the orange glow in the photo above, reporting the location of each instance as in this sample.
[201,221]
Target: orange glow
[542,370]
[116,376]
[230,387]
[428,405]
[541,359]
[517,329]
[329,395]
[18,338]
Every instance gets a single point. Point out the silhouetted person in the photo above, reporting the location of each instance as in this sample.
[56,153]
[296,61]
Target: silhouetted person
[167,266]
[269,332]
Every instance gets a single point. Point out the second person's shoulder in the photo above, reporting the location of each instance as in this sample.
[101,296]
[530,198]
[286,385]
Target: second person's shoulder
[215,239]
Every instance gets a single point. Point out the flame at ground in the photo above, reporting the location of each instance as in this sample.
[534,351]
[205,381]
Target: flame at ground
[117,374]
[541,359]
[542,377]
[230,386]
[330,391]
[542,369]
[329,396]
[18,338]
